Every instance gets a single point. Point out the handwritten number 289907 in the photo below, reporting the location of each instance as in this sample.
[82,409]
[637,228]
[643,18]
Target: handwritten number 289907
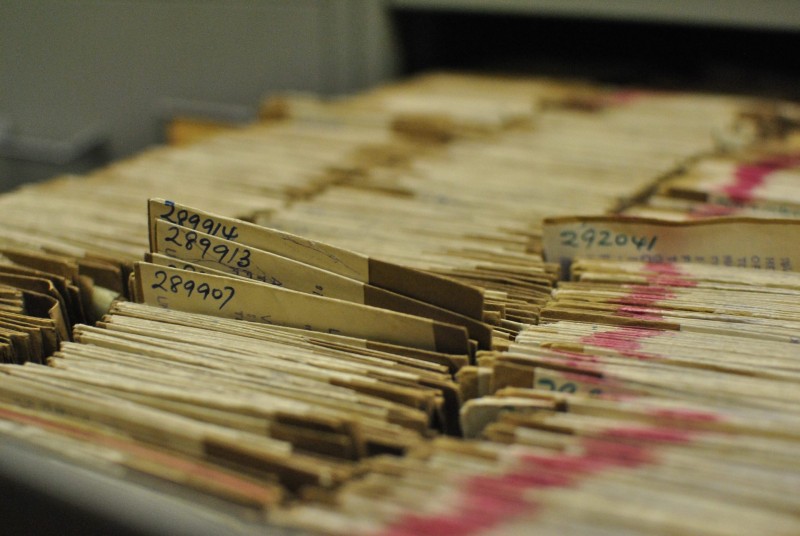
[177,284]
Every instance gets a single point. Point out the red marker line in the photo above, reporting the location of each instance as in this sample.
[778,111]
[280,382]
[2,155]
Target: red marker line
[748,177]
[625,96]
[638,303]
[683,414]
[489,501]
[626,340]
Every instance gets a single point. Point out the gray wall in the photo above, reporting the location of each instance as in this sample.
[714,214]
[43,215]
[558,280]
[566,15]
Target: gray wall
[75,74]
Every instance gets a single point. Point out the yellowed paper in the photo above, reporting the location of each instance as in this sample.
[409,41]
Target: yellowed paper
[220,254]
[423,286]
[182,290]
[741,242]
[287,245]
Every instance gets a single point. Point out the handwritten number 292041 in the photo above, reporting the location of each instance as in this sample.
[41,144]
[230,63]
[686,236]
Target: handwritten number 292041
[592,237]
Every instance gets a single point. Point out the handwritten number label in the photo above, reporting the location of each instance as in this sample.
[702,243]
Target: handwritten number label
[207,225]
[237,256]
[178,284]
[592,238]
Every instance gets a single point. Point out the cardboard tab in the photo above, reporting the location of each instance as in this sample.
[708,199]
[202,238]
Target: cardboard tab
[436,290]
[228,297]
[252,263]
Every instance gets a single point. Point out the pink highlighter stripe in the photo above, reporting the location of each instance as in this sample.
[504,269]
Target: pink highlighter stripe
[623,97]
[639,303]
[748,177]
[490,501]
[683,414]
[625,340]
